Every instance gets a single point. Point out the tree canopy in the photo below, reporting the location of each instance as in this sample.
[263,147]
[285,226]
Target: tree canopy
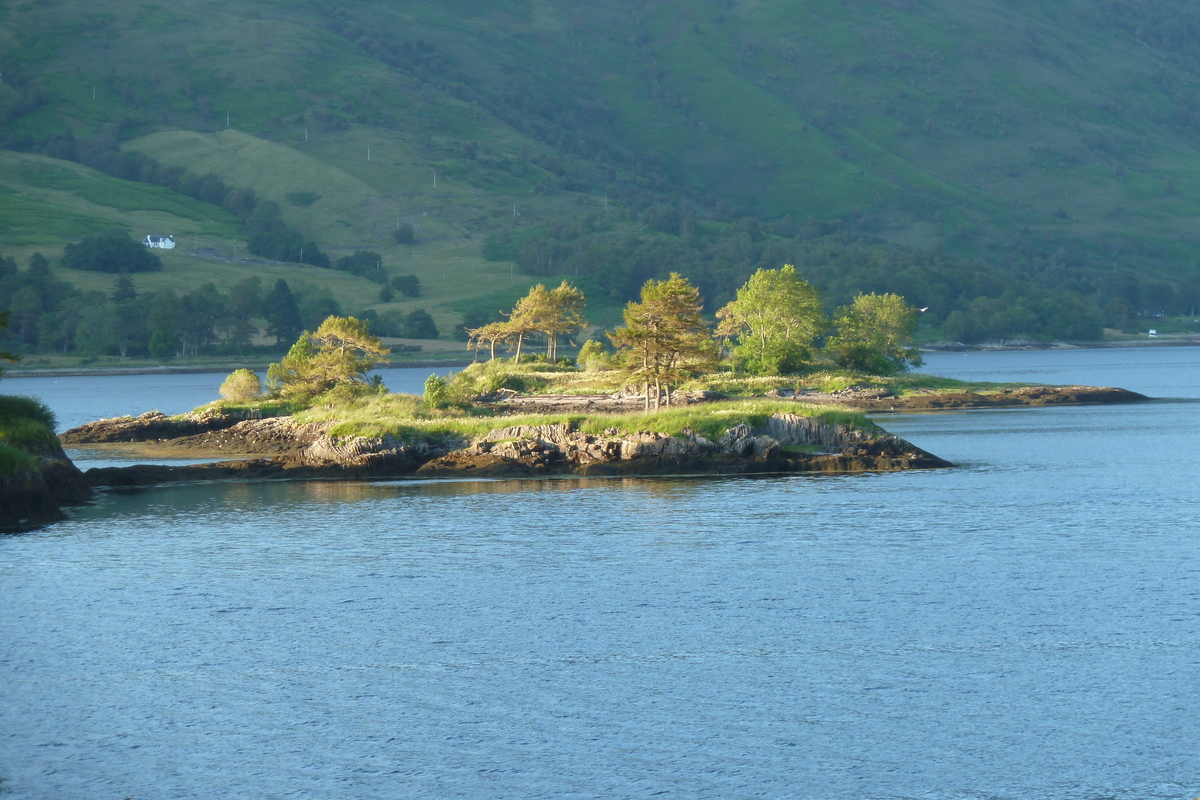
[340,353]
[776,317]
[664,339]
[112,251]
[874,334]
[550,312]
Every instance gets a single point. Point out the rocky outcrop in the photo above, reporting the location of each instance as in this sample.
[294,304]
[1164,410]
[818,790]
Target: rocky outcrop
[785,443]
[34,496]
[149,427]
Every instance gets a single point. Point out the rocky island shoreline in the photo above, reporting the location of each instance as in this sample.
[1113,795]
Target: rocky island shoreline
[279,448]
[236,447]
[282,448]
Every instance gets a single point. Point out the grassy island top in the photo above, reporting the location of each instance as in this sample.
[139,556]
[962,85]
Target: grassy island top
[487,396]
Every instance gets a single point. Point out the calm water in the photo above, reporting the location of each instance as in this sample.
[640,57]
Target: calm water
[1024,626]
[80,399]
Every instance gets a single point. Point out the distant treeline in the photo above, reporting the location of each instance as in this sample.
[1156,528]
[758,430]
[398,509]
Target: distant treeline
[48,315]
[1030,293]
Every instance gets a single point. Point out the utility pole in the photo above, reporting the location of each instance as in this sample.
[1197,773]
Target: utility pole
[606,202]
[93,94]
[434,178]
[226,119]
[301,255]
[306,135]
[368,152]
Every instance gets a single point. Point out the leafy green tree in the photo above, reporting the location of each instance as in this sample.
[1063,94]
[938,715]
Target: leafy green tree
[26,308]
[241,385]
[281,313]
[420,325]
[123,289]
[776,317]
[437,392]
[407,285]
[95,335]
[200,310]
[162,320]
[592,356]
[874,335]
[664,339]
[316,304]
[243,304]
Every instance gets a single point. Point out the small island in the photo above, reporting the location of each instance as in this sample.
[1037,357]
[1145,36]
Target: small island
[668,398]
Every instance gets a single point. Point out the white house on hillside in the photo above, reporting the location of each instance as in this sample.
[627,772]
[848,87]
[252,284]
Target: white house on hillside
[165,242]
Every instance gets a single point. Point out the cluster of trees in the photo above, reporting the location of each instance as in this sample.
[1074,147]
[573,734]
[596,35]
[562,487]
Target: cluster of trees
[369,265]
[772,327]
[550,313]
[51,316]
[111,251]
[1065,292]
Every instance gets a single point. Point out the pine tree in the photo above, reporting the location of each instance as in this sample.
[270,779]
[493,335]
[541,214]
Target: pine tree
[664,339]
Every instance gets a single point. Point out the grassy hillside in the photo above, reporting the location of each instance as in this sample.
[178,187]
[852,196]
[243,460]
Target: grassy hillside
[1060,136]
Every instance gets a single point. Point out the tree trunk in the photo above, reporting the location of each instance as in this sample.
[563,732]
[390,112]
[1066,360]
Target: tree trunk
[657,395]
[646,395]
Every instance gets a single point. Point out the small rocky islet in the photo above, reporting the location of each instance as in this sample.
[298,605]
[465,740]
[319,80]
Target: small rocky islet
[243,448]
[280,447]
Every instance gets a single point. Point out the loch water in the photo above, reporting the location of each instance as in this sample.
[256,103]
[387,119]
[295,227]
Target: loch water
[1025,625]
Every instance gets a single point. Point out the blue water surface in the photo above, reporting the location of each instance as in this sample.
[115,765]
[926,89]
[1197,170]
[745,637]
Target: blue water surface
[1026,625]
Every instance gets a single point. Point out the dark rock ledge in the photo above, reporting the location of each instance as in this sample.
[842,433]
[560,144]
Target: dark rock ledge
[784,443]
[30,498]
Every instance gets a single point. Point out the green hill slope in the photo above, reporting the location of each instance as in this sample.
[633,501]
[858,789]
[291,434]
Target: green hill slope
[1054,142]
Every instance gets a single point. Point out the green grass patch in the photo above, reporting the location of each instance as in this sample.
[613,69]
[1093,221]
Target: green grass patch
[14,459]
[406,418]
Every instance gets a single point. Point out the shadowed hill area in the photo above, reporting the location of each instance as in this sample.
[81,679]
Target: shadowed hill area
[1014,162]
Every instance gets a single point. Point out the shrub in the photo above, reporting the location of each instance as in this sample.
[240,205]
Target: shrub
[437,394]
[593,357]
[241,385]
[15,407]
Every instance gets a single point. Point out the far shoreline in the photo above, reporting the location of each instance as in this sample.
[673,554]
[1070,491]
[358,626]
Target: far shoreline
[221,367]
